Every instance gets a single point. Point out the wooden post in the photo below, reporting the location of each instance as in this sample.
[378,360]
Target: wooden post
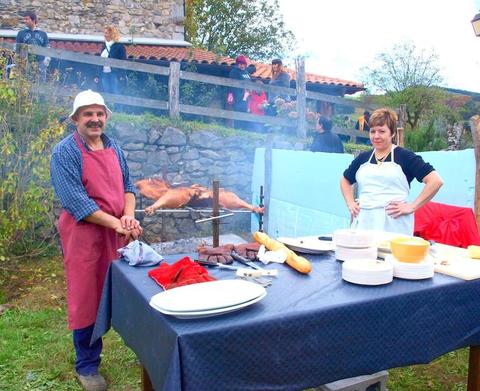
[21,60]
[402,120]
[301,98]
[174,90]
[267,180]
[146,382]
[474,369]
[216,212]
[475,127]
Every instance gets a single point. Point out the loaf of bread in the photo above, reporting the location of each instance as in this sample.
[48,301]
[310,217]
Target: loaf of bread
[298,263]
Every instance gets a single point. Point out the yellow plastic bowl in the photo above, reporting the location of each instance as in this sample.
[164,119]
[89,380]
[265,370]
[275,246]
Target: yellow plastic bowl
[409,249]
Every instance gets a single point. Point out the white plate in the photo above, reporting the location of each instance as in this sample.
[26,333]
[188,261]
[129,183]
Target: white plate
[307,244]
[208,313]
[363,280]
[207,296]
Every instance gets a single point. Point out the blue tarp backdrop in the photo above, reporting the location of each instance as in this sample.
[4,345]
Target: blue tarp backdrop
[305,197]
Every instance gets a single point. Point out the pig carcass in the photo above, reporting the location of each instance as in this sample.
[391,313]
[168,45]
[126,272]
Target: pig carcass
[226,199]
[173,198]
[152,188]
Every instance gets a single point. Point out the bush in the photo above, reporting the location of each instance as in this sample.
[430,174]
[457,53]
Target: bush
[425,138]
[29,127]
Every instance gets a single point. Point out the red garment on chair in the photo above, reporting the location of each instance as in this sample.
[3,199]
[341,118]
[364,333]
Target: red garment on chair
[447,224]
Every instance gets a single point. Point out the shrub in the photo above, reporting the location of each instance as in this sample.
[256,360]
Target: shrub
[28,129]
[425,138]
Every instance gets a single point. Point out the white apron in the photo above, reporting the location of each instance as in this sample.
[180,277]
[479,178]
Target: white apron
[378,185]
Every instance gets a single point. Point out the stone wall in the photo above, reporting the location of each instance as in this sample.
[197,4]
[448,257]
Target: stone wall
[187,158]
[146,18]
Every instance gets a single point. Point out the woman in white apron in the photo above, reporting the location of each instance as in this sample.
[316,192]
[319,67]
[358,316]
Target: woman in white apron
[383,177]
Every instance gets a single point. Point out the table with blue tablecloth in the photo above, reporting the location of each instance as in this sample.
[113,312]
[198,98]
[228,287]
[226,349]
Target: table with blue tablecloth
[309,329]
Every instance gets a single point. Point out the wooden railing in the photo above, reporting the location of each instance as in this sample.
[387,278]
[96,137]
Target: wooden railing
[175,74]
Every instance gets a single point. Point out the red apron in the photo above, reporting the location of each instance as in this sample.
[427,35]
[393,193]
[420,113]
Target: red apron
[88,249]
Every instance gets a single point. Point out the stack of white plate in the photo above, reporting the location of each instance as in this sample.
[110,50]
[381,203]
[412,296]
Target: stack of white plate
[208,298]
[354,244]
[367,272]
[412,271]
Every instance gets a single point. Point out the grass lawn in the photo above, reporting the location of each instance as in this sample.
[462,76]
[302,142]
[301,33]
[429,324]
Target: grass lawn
[36,352]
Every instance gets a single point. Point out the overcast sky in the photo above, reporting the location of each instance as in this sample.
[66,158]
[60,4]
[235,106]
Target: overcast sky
[339,37]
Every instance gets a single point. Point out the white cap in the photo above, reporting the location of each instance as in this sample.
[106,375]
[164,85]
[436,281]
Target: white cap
[87,98]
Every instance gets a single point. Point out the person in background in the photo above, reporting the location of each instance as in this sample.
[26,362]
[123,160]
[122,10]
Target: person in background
[362,122]
[324,140]
[280,78]
[256,106]
[237,98]
[383,176]
[32,35]
[112,78]
[90,177]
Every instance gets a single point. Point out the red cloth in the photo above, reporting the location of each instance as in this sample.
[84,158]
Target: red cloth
[88,249]
[182,272]
[447,224]
[255,104]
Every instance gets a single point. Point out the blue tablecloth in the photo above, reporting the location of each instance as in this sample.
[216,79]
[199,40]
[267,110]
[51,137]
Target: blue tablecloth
[307,331]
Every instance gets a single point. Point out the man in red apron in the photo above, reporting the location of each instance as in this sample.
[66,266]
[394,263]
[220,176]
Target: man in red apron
[91,178]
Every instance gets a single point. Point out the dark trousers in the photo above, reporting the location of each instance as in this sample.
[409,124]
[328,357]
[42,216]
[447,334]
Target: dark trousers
[88,357]
[243,108]
[110,83]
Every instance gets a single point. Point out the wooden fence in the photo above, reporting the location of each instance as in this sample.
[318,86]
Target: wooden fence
[175,74]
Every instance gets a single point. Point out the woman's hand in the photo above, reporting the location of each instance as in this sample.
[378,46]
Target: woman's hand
[354,208]
[396,209]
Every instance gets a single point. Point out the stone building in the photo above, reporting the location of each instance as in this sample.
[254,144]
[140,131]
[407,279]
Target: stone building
[147,18]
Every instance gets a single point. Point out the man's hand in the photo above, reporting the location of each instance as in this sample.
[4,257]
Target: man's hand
[132,234]
[130,222]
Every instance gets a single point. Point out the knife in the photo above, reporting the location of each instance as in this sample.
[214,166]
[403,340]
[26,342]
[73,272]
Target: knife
[216,264]
[245,261]
[240,271]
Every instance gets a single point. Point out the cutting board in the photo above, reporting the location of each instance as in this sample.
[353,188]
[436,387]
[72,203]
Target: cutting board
[449,260]
[454,261]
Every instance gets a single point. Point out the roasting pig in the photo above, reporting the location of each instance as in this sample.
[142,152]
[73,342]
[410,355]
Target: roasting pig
[226,199]
[152,188]
[173,198]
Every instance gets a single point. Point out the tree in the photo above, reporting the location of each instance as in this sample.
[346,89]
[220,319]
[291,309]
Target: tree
[410,76]
[230,27]
[404,66]
[422,103]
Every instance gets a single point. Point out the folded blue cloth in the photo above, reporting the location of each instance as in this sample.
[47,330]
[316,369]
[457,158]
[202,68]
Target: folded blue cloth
[137,253]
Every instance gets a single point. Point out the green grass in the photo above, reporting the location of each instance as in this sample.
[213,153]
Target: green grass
[36,353]
[36,350]
[447,373]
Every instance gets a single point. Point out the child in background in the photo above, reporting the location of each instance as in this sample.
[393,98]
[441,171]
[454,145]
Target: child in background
[256,106]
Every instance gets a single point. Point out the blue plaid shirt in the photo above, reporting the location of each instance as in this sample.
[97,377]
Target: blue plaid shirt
[66,173]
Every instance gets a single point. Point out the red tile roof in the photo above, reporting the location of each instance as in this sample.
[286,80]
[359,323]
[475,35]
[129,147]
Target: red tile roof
[195,55]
